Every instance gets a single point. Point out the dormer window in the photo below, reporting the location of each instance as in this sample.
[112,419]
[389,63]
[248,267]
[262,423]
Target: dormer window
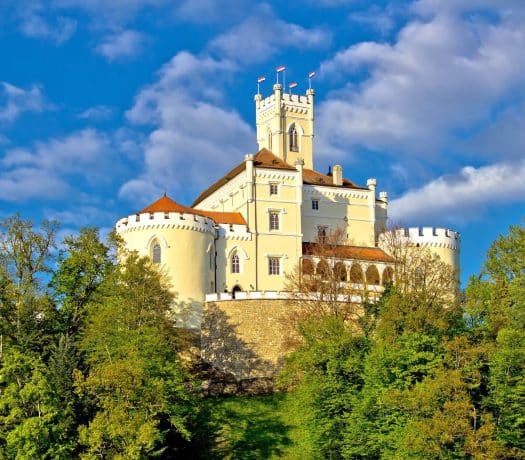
[294,139]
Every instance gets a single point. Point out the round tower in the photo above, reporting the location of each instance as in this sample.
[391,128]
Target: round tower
[181,242]
[443,242]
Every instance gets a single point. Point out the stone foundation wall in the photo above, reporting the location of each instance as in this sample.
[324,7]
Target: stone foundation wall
[247,339]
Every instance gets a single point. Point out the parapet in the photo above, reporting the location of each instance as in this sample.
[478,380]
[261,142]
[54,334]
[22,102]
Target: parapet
[431,237]
[178,220]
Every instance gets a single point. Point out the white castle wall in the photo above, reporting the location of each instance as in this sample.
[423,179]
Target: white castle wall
[443,242]
[187,255]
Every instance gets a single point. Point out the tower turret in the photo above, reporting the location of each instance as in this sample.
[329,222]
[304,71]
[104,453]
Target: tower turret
[285,125]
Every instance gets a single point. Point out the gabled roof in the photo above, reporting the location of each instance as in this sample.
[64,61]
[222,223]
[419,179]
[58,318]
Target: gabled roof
[166,204]
[262,159]
[266,159]
[347,252]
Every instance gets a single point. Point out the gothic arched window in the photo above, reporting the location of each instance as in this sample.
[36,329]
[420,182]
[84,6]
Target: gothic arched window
[235,263]
[294,139]
[156,253]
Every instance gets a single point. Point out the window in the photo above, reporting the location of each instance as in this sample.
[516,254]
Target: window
[274,188]
[274,220]
[156,253]
[315,205]
[235,263]
[274,266]
[294,142]
[322,231]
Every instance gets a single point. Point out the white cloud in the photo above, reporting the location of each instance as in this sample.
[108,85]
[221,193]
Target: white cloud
[441,76]
[430,7]
[25,183]
[14,101]
[196,137]
[121,45]
[263,35]
[80,216]
[35,26]
[208,11]
[48,169]
[463,196]
[96,113]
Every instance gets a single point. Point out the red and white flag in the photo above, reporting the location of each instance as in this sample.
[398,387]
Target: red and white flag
[292,85]
[261,79]
[280,68]
[311,75]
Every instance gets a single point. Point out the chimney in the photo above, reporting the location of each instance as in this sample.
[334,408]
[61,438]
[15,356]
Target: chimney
[337,175]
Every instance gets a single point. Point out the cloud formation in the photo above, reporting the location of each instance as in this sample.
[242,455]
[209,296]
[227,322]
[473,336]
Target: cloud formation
[125,44]
[444,74]
[462,196]
[14,101]
[45,171]
[59,31]
[264,35]
[194,136]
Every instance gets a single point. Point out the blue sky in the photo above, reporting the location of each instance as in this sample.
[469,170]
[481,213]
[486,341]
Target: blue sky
[105,105]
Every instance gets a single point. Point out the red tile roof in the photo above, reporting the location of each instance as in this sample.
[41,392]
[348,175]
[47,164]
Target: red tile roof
[166,204]
[312,177]
[262,159]
[347,252]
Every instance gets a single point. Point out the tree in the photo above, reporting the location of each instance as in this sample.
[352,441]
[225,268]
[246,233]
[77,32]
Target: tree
[401,381]
[135,381]
[27,313]
[496,307]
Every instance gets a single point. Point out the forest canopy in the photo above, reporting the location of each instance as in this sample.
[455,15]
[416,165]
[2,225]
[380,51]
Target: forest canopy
[91,367]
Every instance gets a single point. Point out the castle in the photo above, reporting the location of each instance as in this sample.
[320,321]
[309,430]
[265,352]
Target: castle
[241,235]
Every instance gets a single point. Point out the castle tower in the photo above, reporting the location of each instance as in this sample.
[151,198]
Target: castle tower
[285,125]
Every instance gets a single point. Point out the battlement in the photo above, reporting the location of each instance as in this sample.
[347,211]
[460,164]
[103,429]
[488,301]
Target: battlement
[166,219]
[431,237]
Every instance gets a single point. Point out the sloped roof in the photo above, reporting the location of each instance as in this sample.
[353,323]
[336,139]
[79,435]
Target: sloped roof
[347,252]
[262,159]
[312,177]
[166,204]
[266,159]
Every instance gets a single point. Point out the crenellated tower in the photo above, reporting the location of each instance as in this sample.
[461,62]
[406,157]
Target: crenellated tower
[285,125]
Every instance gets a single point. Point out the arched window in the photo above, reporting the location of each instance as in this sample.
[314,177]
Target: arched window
[269,139]
[294,139]
[372,275]
[235,263]
[307,267]
[323,269]
[356,274]
[340,271]
[156,253]
[388,275]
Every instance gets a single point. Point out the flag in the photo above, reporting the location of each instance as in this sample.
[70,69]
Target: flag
[261,79]
[292,85]
[280,68]
[311,75]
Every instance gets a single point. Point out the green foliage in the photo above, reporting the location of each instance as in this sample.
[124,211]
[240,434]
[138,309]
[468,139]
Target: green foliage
[88,362]
[134,379]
